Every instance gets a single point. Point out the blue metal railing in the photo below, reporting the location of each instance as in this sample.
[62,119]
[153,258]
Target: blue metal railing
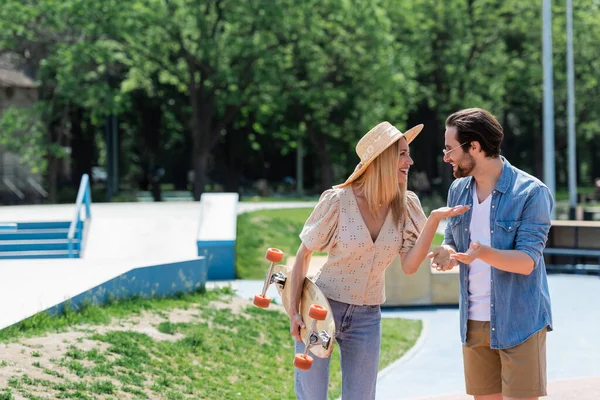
[84,199]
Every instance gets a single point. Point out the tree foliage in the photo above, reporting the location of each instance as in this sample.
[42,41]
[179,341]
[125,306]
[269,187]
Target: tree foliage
[228,88]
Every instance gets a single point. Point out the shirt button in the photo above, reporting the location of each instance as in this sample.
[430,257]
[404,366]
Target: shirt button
[466,229]
[492,231]
[493,329]
[492,305]
[493,206]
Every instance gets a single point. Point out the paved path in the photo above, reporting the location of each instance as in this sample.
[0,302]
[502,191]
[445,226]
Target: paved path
[433,367]
[436,366]
[570,389]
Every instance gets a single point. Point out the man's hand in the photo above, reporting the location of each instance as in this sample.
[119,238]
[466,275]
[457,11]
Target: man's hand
[470,255]
[441,258]
[296,323]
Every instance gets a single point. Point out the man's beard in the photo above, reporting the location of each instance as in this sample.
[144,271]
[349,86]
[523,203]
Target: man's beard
[465,167]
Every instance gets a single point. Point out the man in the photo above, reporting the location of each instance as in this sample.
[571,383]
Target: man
[504,298]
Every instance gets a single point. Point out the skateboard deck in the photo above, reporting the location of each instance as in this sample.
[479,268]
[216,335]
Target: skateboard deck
[311,294]
[314,307]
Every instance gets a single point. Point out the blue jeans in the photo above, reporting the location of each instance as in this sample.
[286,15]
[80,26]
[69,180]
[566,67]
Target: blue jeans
[358,335]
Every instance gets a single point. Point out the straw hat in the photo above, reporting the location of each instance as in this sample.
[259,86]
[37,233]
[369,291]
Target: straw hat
[374,143]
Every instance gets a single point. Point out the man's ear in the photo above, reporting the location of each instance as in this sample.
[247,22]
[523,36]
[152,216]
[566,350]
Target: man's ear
[475,146]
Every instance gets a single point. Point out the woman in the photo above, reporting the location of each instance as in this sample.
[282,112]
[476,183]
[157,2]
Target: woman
[362,224]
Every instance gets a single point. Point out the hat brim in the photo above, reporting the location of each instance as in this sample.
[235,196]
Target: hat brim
[410,135]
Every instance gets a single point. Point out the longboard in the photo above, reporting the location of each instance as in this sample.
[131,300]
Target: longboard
[319,334]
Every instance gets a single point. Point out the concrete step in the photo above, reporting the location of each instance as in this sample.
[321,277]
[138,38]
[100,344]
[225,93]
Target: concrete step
[37,234]
[18,255]
[36,245]
[45,225]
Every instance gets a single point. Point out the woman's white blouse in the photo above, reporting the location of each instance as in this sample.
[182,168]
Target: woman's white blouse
[355,269]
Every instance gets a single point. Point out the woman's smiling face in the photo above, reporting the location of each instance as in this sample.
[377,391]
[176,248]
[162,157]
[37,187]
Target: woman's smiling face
[404,160]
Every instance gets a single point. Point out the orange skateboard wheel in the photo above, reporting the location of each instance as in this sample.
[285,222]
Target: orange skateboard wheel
[317,312]
[274,255]
[262,301]
[303,362]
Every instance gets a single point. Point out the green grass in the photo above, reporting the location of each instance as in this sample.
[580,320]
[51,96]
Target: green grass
[437,240]
[282,199]
[397,337]
[562,194]
[43,323]
[259,230]
[221,355]
[6,394]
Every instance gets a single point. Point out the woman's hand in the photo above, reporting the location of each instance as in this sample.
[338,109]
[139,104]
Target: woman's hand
[447,212]
[296,323]
[441,258]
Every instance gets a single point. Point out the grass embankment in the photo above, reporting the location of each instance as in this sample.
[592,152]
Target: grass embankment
[209,345]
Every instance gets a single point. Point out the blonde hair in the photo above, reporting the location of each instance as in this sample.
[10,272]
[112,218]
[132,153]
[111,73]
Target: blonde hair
[379,184]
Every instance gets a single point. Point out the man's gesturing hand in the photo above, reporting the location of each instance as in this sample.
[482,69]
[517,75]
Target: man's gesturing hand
[468,256]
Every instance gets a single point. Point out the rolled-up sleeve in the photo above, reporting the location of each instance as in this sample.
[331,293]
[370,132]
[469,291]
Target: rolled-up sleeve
[414,223]
[320,230]
[532,232]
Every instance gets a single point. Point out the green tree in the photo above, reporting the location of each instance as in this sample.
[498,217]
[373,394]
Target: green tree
[345,75]
[218,53]
[66,45]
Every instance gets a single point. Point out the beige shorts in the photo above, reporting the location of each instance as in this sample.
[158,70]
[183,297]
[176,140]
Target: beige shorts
[519,371]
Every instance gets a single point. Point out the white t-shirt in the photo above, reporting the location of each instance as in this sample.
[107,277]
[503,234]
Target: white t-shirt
[479,271]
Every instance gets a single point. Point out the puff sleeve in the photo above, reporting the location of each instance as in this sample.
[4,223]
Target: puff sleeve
[414,222]
[320,229]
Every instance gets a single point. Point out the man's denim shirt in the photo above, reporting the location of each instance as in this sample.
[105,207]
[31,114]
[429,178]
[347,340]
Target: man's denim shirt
[519,220]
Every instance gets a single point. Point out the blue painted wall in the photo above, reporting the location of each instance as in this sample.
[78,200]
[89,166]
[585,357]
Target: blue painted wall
[220,256]
[217,234]
[152,281]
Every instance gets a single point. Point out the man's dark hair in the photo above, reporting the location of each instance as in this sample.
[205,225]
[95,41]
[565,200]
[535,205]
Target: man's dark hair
[477,125]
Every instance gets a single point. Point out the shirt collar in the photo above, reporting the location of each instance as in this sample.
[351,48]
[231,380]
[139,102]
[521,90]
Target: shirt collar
[505,176]
[503,183]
